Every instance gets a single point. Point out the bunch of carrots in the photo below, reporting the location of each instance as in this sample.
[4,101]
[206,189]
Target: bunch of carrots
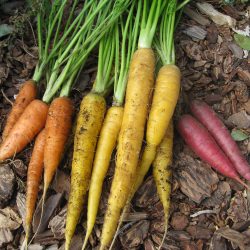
[125,32]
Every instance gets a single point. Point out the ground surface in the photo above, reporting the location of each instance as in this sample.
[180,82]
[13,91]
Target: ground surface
[208,211]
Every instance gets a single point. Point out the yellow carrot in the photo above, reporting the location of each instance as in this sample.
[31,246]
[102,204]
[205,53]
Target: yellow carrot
[106,144]
[162,173]
[89,123]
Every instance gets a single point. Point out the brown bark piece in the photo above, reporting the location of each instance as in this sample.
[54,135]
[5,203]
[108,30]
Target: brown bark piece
[197,180]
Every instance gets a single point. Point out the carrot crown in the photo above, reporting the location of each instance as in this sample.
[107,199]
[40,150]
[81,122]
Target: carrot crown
[165,43]
[124,52]
[149,22]
[85,32]
[105,62]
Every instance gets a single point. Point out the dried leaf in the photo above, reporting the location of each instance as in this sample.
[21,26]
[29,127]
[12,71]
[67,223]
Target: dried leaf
[242,41]
[239,135]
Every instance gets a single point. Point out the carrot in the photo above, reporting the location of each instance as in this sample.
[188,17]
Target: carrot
[58,126]
[218,130]
[89,123]
[113,119]
[25,96]
[162,173]
[106,143]
[30,123]
[140,83]
[204,145]
[34,175]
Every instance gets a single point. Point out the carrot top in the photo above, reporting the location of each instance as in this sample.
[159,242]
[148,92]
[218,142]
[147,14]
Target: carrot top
[94,20]
[124,52]
[165,43]
[49,26]
[149,22]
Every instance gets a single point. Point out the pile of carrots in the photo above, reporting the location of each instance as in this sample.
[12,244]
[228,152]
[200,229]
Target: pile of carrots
[125,32]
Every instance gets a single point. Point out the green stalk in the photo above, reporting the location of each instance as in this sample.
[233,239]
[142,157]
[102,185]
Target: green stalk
[53,13]
[105,23]
[130,33]
[105,62]
[149,23]
[165,44]
[88,37]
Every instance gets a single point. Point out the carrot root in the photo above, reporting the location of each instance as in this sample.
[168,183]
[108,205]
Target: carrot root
[58,126]
[30,123]
[25,96]
[34,176]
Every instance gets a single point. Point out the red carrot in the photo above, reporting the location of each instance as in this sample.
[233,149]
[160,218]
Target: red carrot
[218,130]
[204,145]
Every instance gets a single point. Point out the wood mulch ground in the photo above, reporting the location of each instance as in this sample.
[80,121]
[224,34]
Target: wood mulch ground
[208,211]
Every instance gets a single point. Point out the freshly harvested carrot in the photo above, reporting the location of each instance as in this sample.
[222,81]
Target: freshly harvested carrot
[58,126]
[30,123]
[89,123]
[204,145]
[113,119]
[139,86]
[34,175]
[25,96]
[162,173]
[106,143]
[218,130]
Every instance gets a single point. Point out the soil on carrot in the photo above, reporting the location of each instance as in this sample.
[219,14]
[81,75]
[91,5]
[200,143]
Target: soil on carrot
[208,211]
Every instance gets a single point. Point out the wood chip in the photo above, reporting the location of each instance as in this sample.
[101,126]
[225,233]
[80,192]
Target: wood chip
[197,180]
[196,16]
[215,15]
[136,235]
[196,32]
[7,181]
[20,201]
[5,236]
[57,224]
[49,208]
[232,236]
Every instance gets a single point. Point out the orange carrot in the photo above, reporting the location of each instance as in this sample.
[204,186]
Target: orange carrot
[58,126]
[30,123]
[33,179]
[25,96]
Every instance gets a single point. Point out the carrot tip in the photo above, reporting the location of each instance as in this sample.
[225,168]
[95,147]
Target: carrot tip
[242,183]
[85,241]
[164,236]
